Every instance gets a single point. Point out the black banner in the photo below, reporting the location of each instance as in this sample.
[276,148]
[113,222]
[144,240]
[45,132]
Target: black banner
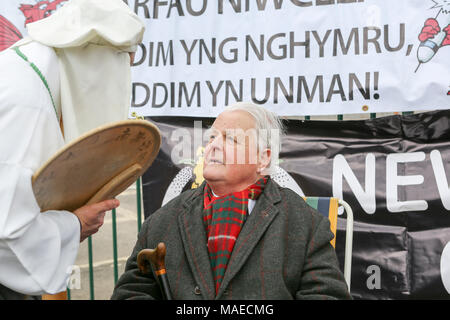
[393,171]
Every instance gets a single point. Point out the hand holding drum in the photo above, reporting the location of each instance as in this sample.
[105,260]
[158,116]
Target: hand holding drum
[86,174]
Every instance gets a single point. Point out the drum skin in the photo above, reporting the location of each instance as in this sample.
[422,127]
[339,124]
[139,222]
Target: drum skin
[97,166]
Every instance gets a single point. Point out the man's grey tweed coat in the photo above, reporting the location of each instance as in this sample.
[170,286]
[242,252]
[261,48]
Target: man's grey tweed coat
[282,252]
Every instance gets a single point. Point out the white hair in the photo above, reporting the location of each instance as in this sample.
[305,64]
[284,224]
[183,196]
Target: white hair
[269,128]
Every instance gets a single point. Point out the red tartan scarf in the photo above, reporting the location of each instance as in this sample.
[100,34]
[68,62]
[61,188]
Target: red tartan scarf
[223,218]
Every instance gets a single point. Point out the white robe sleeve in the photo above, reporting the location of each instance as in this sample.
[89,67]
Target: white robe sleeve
[36,249]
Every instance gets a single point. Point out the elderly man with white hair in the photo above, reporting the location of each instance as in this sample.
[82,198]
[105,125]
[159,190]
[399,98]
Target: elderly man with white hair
[239,235]
[70,74]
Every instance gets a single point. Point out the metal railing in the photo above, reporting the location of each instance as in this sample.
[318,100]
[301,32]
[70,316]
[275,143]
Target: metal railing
[114,242]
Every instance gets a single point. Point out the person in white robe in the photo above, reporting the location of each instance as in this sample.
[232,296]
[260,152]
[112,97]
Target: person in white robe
[70,75]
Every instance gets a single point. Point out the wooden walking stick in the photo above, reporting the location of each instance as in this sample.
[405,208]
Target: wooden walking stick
[156,257]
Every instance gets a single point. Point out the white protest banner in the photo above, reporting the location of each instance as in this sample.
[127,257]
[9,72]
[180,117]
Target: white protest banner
[295,57]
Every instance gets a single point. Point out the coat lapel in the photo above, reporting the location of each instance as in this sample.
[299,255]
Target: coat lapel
[256,224]
[193,235]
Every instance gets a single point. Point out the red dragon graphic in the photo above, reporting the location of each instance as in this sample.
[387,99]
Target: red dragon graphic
[9,34]
[40,10]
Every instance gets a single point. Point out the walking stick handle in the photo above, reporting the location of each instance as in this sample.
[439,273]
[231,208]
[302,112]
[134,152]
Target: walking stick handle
[157,258]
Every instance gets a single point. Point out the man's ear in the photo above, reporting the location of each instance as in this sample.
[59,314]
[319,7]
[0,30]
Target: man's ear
[264,159]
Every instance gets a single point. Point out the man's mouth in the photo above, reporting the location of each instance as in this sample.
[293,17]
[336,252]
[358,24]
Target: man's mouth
[214,161]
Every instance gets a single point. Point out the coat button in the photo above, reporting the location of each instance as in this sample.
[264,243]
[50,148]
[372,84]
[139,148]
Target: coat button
[197,290]
[225,292]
